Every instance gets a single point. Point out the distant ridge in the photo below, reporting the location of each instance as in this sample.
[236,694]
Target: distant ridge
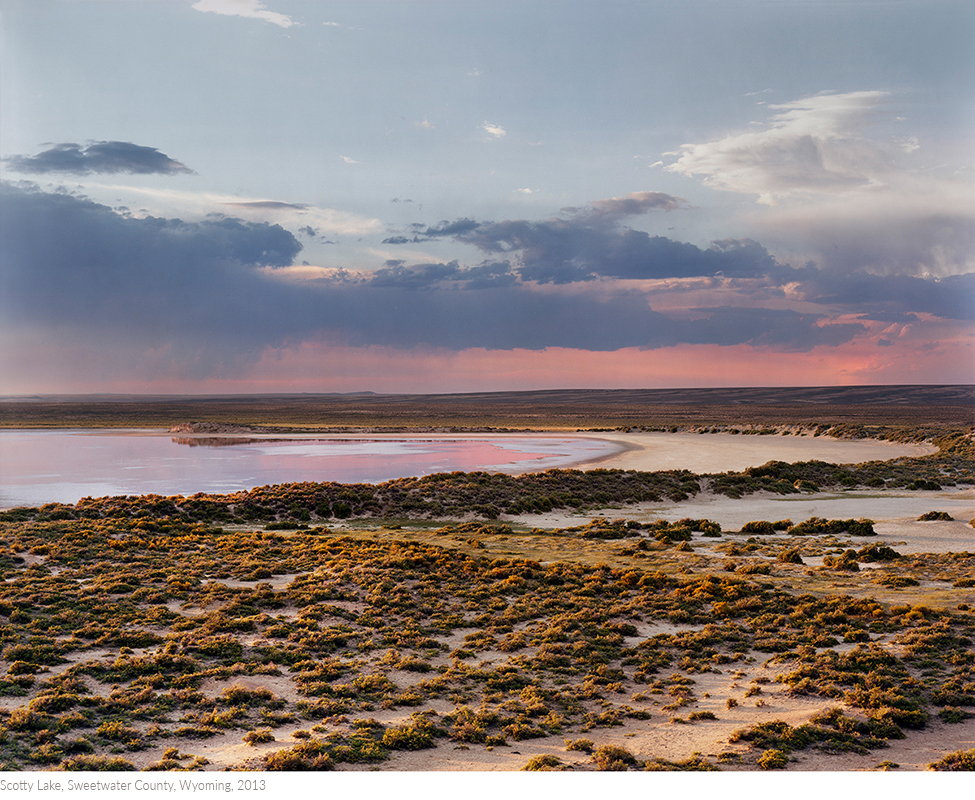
[961,394]
[908,394]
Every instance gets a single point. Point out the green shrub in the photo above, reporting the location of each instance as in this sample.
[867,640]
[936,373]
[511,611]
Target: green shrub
[951,714]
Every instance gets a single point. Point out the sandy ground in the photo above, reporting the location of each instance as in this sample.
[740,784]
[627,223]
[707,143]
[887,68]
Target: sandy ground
[894,513]
[725,452]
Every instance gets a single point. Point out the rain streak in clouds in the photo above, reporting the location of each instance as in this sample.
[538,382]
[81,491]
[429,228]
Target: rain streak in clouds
[217,292]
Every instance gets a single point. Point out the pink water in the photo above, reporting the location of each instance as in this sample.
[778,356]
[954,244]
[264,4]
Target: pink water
[38,467]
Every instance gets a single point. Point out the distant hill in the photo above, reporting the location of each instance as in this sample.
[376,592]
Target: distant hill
[527,410]
[777,395]
[920,395]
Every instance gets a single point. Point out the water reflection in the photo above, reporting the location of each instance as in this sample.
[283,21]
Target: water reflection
[215,441]
[38,467]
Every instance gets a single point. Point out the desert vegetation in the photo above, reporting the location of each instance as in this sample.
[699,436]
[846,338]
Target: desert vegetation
[323,649]
[321,626]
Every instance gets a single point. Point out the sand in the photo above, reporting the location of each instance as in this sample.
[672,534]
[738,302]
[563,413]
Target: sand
[725,452]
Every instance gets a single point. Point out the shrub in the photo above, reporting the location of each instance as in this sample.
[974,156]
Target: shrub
[897,581]
[612,758]
[96,764]
[951,714]
[758,526]
[773,759]
[542,763]
[846,562]
[116,732]
[309,756]
[960,760]
[581,745]
[875,552]
[696,763]
[259,736]
[417,736]
[915,718]
[931,516]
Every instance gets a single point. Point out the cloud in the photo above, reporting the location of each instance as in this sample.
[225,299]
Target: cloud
[267,205]
[200,205]
[838,197]
[252,9]
[923,228]
[348,160]
[814,144]
[633,204]
[590,243]
[781,330]
[105,157]
[494,130]
[216,294]
[892,297]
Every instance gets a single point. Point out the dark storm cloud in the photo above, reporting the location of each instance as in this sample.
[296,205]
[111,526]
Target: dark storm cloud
[584,248]
[398,274]
[589,242]
[455,228]
[68,262]
[203,291]
[108,157]
[781,330]
[888,297]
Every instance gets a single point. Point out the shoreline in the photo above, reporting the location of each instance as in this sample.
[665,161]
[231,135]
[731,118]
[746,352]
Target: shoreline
[648,451]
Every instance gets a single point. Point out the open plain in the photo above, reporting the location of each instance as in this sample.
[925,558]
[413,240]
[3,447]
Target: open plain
[786,613]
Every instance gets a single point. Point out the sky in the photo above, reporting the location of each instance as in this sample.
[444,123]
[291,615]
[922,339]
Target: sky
[425,196]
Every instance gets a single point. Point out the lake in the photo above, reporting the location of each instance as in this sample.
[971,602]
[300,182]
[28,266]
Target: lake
[63,466]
